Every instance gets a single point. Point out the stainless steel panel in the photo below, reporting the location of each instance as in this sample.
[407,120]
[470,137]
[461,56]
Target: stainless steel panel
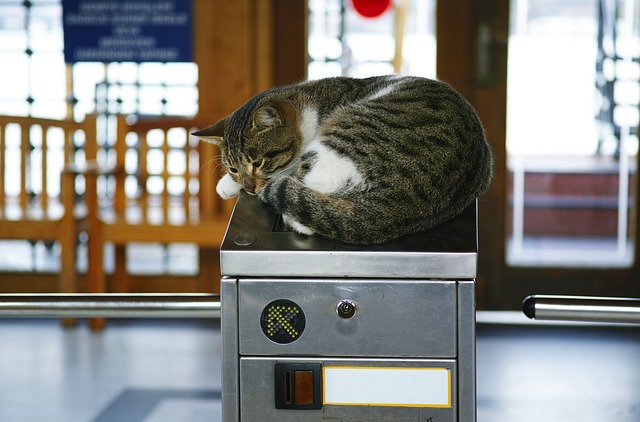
[338,264]
[467,351]
[253,247]
[230,368]
[395,318]
[258,394]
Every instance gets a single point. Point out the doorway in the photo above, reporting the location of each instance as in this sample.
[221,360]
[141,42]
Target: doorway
[540,74]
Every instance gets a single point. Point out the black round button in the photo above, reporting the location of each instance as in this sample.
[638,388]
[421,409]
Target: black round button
[282,321]
[346,309]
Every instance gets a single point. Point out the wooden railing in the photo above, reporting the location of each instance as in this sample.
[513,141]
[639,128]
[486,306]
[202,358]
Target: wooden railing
[143,182]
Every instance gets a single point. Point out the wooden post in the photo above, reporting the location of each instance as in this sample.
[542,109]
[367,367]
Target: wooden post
[242,47]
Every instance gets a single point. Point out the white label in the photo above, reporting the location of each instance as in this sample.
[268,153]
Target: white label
[382,386]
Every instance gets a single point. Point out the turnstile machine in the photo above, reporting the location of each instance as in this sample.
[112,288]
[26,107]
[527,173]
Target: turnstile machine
[314,329]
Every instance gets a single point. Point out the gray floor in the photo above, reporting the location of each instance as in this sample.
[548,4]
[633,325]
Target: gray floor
[530,373]
[154,371]
[168,370]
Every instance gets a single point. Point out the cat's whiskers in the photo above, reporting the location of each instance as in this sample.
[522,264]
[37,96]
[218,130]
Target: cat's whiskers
[212,165]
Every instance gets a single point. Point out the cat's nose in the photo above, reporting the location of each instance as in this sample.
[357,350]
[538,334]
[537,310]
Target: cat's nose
[249,186]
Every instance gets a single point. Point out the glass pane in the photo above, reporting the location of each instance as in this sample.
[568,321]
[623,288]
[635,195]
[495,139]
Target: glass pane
[572,137]
[151,99]
[13,84]
[85,78]
[48,73]
[126,73]
[49,109]
[45,27]
[13,108]
[343,42]
[181,73]
[12,23]
[182,100]
[152,73]
[140,89]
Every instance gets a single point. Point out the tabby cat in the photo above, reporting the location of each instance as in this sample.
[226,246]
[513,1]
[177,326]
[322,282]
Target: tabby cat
[362,161]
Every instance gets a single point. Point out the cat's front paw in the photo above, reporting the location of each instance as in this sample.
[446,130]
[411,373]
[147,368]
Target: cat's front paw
[227,188]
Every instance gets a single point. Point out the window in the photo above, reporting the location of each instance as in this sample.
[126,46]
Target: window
[401,40]
[572,119]
[38,82]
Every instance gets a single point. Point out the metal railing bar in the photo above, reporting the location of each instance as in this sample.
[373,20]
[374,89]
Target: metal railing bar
[582,308]
[110,305]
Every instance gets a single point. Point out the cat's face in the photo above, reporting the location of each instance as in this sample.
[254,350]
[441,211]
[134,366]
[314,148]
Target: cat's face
[258,145]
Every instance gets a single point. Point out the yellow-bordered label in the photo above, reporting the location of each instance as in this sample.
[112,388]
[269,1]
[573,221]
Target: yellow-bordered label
[386,386]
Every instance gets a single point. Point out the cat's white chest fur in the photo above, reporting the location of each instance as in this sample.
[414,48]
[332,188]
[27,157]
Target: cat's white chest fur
[330,171]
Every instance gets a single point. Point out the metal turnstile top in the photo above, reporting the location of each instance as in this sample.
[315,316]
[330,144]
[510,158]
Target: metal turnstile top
[256,246]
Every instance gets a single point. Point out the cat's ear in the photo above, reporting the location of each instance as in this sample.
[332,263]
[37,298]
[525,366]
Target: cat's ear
[213,133]
[267,116]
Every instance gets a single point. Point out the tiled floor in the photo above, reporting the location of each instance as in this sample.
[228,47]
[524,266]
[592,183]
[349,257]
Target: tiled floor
[136,370]
[169,371]
[533,373]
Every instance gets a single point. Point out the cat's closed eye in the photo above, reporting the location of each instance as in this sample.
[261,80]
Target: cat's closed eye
[257,164]
[233,170]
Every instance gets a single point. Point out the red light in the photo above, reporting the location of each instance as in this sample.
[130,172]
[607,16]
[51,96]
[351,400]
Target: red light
[371,8]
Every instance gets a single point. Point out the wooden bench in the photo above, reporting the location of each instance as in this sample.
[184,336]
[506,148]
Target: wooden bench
[36,203]
[157,184]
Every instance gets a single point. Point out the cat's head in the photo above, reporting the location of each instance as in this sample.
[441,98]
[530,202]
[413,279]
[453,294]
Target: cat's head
[256,141]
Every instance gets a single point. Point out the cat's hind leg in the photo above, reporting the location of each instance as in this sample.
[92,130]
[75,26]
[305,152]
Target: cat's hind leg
[295,226]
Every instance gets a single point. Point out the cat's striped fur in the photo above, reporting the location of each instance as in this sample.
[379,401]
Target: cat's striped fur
[358,160]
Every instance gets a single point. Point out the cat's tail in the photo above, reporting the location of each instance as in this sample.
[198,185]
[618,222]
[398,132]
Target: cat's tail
[333,216]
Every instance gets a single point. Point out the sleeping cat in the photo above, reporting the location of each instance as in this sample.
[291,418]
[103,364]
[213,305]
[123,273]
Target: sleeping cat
[362,161]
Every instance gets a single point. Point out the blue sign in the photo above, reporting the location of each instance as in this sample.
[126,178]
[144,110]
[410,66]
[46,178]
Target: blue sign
[127,30]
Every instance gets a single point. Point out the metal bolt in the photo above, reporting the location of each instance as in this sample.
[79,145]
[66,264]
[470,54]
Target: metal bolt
[244,239]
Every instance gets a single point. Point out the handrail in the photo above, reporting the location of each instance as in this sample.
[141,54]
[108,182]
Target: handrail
[110,305]
[582,308]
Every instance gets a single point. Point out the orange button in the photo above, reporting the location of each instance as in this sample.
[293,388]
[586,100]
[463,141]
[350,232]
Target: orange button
[303,387]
